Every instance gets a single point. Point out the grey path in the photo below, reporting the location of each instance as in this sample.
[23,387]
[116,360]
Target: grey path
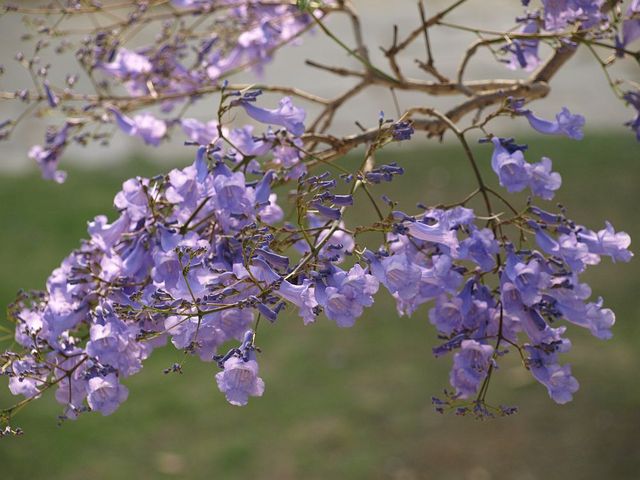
[581,86]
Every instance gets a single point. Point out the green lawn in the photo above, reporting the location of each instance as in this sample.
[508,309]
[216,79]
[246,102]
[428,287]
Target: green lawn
[355,403]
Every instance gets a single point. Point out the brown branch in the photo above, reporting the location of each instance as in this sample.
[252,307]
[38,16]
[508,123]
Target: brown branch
[429,23]
[429,66]
[356,27]
[340,71]
[329,112]
[433,127]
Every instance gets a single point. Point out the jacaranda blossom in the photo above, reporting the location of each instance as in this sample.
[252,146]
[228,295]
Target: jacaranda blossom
[144,125]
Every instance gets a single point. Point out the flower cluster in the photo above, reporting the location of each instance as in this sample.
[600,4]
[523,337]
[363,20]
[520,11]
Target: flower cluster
[198,257]
[175,70]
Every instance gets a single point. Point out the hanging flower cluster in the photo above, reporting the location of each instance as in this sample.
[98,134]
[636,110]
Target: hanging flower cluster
[198,257]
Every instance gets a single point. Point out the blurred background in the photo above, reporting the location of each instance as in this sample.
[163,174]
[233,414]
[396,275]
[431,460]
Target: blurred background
[355,403]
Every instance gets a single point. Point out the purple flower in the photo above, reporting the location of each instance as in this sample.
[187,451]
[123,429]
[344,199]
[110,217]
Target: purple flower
[631,25]
[246,144]
[27,377]
[480,315]
[67,303]
[327,212]
[105,394]
[571,304]
[52,98]
[126,64]
[113,342]
[185,190]
[263,28]
[565,124]
[339,245]
[239,380]
[510,167]
[567,247]
[269,210]
[458,216]
[607,242]
[560,384]
[402,131]
[135,259]
[447,315]
[542,181]
[47,157]
[288,158]
[438,230]
[232,322]
[72,390]
[560,13]
[190,3]
[437,276]
[529,278]
[525,52]
[470,367]
[633,98]
[105,235]
[234,202]
[397,273]
[199,132]
[132,199]
[303,297]
[144,125]
[200,336]
[343,295]
[286,115]
[481,247]
[31,323]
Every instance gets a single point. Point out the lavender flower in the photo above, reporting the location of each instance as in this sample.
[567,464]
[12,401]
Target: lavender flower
[510,167]
[48,156]
[303,297]
[448,314]
[438,230]
[127,64]
[560,384]
[565,124]
[397,273]
[239,380]
[481,247]
[343,295]
[27,377]
[144,125]
[558,14]
[106,235]
[542,181]
[607,242]
[105,394]
[402,131]
[286,115]
[633,98]
[529,278]
[201,133]
[524,53]
[112,343]
[470,367]
[631,25]
[571,304]
[52,98]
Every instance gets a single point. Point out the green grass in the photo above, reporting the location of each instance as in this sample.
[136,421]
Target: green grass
[354,403]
